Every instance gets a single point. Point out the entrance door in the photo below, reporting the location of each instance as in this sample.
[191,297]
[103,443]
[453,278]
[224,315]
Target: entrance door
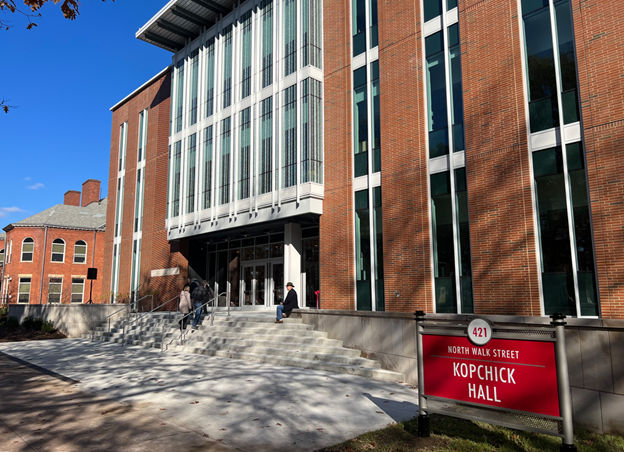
[253,284]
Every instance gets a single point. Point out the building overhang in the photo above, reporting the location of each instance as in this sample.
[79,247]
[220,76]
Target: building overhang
[181,21]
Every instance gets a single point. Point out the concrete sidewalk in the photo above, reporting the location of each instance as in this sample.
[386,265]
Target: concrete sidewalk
[241,405]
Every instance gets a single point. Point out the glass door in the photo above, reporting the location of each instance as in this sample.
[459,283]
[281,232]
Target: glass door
[253,284]
[277,282]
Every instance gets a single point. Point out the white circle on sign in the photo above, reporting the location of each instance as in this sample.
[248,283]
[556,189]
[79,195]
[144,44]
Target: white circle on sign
[479,332]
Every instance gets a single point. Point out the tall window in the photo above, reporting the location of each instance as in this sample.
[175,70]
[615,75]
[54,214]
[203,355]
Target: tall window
[378,251]
[28,246]
[207,194]
[179,98]
[58,250]
[358,26]
[138,199]
[210,77]
[563,247]
[266,145]
[77,290]
[135,271]
[80,252]
[362,251]
[142,135]
[267,43]
[311,33]
[246,56]
[227,67]
[451,238]
[244,154]
[123,140]
[194,63]
[191,170]
[289,154]
[360,122]
[23,290]
[224,189]
[311,131]
[290,36]
[376,113]
[55,288]
[541,73]
[175,183]
[436,96]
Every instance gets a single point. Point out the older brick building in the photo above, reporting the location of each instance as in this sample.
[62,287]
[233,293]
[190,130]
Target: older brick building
[445,155]
[47,255]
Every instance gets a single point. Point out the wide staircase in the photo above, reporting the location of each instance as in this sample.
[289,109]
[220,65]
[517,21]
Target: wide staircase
[251,336]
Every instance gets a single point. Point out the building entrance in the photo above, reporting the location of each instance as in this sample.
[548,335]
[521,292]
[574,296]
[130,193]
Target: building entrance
[262,283]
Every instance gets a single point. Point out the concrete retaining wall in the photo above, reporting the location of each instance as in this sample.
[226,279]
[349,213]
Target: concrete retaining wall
[72,320]
[594,348]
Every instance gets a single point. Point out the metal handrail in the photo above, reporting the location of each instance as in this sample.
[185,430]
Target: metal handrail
[126,325]
[136,302]
[183,333]
[107,319]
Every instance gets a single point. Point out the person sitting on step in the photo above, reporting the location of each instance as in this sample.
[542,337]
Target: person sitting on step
[285,307]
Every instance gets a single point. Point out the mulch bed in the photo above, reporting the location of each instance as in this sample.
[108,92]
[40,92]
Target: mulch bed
[22,334]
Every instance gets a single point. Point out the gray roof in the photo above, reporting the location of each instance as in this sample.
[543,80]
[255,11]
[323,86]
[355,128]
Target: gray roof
[90,217]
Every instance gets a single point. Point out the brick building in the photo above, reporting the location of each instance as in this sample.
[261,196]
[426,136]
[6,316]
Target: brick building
[46,256]
[447,155]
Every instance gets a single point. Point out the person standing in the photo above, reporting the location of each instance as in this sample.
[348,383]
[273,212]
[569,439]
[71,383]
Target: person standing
[285,308]
[185,305]
[199,297]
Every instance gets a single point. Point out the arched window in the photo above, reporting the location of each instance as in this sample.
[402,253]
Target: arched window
[80,252]
[58,250]
[28,246]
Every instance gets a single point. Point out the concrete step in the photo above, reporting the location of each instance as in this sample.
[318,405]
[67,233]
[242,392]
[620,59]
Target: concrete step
[325,348]
[262,338]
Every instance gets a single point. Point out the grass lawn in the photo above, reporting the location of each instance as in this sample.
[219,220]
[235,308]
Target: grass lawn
[451,434]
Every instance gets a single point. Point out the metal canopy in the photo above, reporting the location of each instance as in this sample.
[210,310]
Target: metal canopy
[182,20]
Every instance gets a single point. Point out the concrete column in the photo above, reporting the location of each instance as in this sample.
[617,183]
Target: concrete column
[292,257]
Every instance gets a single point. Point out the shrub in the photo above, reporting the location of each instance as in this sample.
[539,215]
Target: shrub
[30,323]
[48,327]
[12,323]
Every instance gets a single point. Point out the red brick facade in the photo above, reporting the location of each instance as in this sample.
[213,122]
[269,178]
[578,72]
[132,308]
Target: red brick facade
[42,265]
[506,277]
[155,249]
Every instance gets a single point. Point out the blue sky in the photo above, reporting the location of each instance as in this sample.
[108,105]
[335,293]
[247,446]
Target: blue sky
[62,77]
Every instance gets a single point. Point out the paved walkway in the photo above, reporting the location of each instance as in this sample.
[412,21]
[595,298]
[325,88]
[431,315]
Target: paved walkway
[129,398]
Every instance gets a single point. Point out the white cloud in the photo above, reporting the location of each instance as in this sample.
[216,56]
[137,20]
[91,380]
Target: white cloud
[4,211]
[27,178]
[36,186]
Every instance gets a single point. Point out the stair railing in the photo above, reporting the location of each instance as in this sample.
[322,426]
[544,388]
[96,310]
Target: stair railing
[108,320]
[136,319]
[183,332]
[135,303]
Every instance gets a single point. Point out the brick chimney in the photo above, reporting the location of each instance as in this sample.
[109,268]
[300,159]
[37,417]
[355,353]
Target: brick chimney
[71,198]
[90,191]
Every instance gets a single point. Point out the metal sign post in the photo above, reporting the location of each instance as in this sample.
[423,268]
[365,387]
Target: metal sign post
[424,428]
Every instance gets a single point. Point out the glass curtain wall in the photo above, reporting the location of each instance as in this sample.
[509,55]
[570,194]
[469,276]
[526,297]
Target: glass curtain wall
[194,86]
[311,131]
[227,67]
[210,77]
[289,154]
[267,42]
[311,34]
[246,56]
[244,154]
[290,36]
[191,166]
[224,188]
[207,186]
[266,146]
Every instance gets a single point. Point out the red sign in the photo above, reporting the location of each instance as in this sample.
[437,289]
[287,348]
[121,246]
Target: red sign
[512,374]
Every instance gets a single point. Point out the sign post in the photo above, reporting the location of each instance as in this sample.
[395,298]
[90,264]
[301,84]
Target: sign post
[506,374]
